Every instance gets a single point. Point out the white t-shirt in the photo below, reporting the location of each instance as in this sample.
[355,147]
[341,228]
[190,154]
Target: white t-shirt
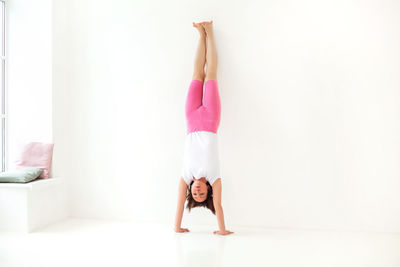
[201,158]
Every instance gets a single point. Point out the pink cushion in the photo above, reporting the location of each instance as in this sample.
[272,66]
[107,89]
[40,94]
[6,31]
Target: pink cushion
[36,154]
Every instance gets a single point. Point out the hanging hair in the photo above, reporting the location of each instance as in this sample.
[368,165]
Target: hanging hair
[208,203]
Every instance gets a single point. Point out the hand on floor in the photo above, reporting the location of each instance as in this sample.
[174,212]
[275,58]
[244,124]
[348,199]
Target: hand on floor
[181,230]
[226,232]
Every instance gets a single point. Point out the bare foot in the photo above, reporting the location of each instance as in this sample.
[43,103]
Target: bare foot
[207,25]
[200,27]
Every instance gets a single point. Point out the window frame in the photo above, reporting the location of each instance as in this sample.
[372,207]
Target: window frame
[3,85]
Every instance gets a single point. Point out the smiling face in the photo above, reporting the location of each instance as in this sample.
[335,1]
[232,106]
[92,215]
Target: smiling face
[199,190]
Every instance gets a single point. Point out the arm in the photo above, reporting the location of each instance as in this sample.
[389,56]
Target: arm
[180,207]
[217,188]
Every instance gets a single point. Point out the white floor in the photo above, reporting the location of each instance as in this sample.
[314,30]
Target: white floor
[82,242]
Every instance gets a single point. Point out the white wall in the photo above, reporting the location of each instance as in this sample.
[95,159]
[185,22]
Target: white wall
[310,129]
[28,74]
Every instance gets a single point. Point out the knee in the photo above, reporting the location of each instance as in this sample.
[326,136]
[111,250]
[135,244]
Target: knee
[211,77]
[198,76]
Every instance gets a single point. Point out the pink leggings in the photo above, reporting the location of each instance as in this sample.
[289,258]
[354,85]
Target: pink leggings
[203,114]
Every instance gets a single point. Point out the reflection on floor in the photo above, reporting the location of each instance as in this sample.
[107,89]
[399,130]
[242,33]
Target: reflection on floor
[83,242]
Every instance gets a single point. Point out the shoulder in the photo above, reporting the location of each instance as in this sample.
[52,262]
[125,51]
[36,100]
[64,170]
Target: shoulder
[216,183]
[183,182]
[187,181]
[185,175]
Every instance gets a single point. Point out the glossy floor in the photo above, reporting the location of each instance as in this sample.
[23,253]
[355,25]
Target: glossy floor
[82,242]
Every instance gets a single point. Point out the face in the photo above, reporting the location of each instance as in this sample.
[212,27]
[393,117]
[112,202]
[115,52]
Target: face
[199,190]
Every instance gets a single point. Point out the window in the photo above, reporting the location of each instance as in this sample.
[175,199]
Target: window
[2,83]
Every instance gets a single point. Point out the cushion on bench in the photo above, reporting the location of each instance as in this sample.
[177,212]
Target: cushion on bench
[20,176]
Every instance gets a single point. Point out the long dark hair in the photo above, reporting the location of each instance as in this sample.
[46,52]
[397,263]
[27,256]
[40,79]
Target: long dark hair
[208,203]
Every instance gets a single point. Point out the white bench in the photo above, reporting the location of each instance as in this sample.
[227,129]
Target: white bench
[25,207]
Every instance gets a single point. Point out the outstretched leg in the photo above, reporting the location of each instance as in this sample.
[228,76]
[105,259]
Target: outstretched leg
[194,96]
[211,52]
[200,59]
